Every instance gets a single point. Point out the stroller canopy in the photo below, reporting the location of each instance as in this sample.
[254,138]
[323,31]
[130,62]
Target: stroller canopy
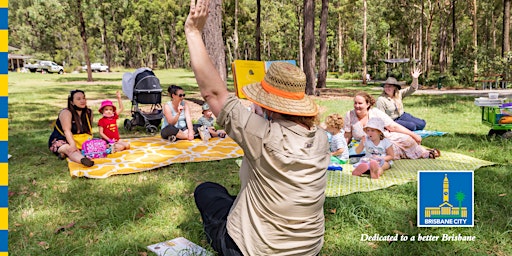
[129,81]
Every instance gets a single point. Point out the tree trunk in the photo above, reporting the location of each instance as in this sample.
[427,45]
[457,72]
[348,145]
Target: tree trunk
[83,34]
[455,38]
[475,37]
[164,44]
[309,45]
[421,36]
[104,38]
[299,35]
[340,41]
[213,38]
[506,28]
[258,30]
[364,43]
[322,69]
[235,34]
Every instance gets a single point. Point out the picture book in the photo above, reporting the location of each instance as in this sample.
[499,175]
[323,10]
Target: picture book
[178,247]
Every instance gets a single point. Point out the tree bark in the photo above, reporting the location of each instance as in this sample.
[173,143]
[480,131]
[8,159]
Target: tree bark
[506,28]
[364,43]
[213,38]
[475,38]
[322,69]
[235,33]
[309,45]
[257,36]
[299,35]
[83,34]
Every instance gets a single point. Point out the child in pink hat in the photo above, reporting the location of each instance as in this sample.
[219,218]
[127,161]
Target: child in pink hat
[379,150]
[108,123]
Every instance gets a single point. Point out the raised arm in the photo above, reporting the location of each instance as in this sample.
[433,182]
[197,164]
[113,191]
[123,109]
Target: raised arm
[210,83]
[120,103]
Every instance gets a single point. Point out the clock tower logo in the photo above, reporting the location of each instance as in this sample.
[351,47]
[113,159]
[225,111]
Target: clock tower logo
[445,199]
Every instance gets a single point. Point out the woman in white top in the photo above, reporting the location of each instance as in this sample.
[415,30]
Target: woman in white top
[177,123]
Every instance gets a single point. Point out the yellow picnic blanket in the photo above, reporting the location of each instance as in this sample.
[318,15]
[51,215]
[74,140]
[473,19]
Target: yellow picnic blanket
[153,152]
[341,183]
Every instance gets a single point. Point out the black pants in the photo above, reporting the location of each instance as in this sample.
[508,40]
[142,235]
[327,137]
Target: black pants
[214,203]
[172,130]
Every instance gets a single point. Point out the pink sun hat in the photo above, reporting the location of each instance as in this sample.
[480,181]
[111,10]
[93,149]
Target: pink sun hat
[106,103]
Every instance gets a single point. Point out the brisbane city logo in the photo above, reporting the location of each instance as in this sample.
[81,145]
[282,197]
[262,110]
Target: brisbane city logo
[445,199]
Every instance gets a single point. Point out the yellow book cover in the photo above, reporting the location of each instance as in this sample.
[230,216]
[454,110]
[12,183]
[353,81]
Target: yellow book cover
[246,72]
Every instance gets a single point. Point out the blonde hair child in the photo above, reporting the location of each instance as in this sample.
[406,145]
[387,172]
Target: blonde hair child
[338,144]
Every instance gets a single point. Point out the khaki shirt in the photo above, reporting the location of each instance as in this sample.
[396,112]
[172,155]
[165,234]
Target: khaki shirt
[279,209]
[393,106]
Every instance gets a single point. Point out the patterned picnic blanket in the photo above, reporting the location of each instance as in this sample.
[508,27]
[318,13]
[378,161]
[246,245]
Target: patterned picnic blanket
[340,183]
[153,152]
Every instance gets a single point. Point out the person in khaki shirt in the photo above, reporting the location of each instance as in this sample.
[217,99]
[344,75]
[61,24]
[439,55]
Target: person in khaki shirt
[279,207]
[391,102]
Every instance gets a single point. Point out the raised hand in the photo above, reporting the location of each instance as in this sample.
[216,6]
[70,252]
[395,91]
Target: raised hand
[197,16]
[416,72]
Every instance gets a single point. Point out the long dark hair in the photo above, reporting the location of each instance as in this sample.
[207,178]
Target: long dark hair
[82,125]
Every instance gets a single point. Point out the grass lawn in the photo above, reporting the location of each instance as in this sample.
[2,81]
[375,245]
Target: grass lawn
[51,213]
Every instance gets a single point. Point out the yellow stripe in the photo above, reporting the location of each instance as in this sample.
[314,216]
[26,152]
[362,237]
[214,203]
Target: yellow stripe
[4,41]
[4,219]
[4,129]
[4,174]
[4,85]
[4,3]
[4,253]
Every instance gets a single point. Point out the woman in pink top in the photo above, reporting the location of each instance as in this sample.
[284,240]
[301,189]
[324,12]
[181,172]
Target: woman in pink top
[406,144]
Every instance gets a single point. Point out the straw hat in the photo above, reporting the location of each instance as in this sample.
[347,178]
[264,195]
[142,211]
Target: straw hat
[375,123]
[282,90]
[106,103]
[391,80]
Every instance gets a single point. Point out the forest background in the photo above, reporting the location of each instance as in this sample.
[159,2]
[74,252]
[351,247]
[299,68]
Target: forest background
[453,40]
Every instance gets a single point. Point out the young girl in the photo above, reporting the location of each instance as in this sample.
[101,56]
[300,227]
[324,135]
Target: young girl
[338,143]
[108,123]
[207,121]
[379,150]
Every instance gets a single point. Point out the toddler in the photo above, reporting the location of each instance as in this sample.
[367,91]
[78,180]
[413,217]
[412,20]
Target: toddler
[108,123]
[338,143]
[207,129]
[379,150]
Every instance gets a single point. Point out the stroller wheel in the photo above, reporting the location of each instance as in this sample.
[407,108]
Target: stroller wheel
[127,125]
[151,129]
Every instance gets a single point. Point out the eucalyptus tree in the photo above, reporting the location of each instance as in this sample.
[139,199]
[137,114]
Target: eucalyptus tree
[309,45]
[322,67]
[213,38]
[505,46]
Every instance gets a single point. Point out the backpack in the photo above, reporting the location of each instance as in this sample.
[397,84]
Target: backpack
[96,148]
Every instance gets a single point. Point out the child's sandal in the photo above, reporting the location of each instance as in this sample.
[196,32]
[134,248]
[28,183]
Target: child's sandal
[434,153]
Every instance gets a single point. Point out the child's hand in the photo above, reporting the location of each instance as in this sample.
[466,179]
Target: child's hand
[118,94]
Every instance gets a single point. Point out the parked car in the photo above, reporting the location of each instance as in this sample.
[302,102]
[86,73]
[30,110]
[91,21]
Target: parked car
[96,67]
[44,66]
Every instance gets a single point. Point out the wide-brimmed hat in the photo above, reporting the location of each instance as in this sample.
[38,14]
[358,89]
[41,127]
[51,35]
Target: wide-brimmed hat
[375,123]
[205,106]
[391,80]
[282,90]
[106,103]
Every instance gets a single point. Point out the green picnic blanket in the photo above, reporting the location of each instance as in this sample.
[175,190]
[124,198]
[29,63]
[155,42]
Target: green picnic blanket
[341,183]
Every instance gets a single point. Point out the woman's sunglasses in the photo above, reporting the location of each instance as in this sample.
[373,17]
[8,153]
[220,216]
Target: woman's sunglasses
[180,95]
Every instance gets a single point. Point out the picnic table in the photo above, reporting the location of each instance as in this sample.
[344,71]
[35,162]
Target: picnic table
[491,80]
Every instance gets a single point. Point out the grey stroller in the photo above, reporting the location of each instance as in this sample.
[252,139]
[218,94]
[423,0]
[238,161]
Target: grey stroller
[143,87]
